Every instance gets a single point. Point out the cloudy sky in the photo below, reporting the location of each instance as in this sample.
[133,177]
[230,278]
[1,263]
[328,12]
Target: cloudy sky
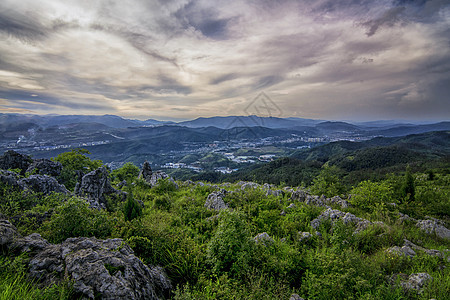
[182,59]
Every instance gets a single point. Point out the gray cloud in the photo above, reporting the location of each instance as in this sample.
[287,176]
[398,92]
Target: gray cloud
[184,58]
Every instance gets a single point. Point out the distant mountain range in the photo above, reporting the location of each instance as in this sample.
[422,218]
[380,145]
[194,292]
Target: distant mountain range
[113,138]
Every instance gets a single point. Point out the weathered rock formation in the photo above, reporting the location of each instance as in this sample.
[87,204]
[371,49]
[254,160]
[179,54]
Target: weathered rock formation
[42,184]
[45,167]
[105,267]
[433,226]
[146,172]
[215,201]
[264,238]
[95,186]
[414,282]
[347,218]
[13,160]
[99,268]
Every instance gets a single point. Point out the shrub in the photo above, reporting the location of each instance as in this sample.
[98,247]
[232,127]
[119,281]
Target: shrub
[74,218]
[367,195]
[231,247]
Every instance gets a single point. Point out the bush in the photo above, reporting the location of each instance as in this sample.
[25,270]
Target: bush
[231,247]
[74,218]
[367,195]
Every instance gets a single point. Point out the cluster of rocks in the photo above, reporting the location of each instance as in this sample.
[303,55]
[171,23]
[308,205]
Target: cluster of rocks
[304,196]
[107,268]
[409,249]
[347,218]
[43,184]
[414,282]
[264,239]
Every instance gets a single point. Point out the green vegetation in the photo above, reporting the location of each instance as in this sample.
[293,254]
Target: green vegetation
[75,163]
[213,255]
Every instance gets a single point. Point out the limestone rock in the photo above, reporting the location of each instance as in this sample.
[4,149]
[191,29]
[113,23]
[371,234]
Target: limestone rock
[8,233]
[304,236]
[401,251]
[298,196]
[42,184]
[347,218]
[146,172]
[45,167]
[433,226]
[9,178]
[156,176]
[105,268]
[275,193]
[95,186]
[264,238]
[215,201]
[32,243]
[13,160]
[414,282]
[295,297]
[249,185]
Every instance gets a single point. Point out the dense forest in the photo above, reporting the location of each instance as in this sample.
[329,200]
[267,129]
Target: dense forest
[333,222]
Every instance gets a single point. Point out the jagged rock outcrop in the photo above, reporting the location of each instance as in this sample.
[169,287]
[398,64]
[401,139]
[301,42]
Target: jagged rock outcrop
[45,167]
[433,226]
[146,172]
[42,184]
[304,236]
[215,201]
[13,160]
[32,243]
[9,178]
[414,282]
[347,218]
[156,176]
[303,196]
[264,238]
[95,186]
[401,251]
[248,185]
[276,193]
[8,232]
[410,249]
[107,268]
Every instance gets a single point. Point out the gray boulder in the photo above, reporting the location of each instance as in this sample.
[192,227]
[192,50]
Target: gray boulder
[433,226]
[299,195]
[215,201]
[13,160]
[295,297]
[264,238]
[42,184]
[304,236]
[95,186]
[347,218]
[45,167]
[414,282]
[8,232]
[9,178]
[401,251]
[107,268]
[156,176]
[32,243]
[146,172]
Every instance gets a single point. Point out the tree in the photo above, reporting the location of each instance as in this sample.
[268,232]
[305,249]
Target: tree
[75,162]
[408,187]
[127,172]
[327,182]
[132,209]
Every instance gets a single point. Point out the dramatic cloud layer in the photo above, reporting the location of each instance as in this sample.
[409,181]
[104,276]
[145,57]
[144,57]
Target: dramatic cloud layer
[183,59]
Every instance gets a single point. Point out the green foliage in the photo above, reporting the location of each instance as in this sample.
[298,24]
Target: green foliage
[132,209]
[327,182]
[368,195]
[128,172]
[73,162]
[74,218]
[231,247]
[408,187]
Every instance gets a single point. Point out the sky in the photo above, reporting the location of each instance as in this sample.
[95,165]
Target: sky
[182,59]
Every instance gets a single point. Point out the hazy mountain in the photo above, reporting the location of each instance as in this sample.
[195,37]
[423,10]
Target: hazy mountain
[248,121]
